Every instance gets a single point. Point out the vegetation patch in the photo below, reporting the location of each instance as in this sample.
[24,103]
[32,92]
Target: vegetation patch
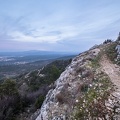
[111,52]
[94,63]
[92,104]
[27,91]
[39,101]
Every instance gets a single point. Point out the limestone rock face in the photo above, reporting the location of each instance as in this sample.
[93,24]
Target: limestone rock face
[118,51]
[59,102]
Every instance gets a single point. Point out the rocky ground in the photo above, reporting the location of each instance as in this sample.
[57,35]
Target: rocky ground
[89,84]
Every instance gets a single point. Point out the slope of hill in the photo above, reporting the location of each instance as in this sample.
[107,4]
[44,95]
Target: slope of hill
[88,89]
[21,96]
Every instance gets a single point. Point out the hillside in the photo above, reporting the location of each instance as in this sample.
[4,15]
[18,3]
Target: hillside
[23,95]
[84,88]
[19,63]
[88,89]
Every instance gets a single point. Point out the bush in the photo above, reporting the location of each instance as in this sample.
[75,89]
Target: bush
[107,41]
[111,52]
[39,102]
[60,98]
[8,87]
[95,62]
[84,88]
[9,100]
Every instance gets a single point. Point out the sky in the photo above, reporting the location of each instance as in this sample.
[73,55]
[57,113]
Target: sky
[57,25]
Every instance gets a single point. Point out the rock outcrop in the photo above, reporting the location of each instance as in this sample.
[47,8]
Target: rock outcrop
[86,71]
[59,102]
[118,51]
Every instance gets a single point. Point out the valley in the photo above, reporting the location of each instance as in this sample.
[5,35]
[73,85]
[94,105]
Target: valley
[14,64]
[24,87]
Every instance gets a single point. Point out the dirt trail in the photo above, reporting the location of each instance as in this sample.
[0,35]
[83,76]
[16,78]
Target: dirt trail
[112,70]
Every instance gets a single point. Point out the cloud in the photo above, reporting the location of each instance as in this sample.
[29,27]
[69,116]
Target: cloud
[55,25]
[19,36]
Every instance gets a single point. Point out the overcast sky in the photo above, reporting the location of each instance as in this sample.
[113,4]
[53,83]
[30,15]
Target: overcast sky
[57,25]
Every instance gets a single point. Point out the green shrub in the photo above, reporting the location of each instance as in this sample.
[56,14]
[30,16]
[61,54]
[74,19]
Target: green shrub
[8,87]
[111,52]
[95,62]
[84,88]
[39,102]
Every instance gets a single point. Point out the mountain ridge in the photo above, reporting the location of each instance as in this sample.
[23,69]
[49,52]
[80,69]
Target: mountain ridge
[80,77]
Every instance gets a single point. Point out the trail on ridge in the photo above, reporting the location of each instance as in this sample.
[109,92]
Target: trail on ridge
[112,70]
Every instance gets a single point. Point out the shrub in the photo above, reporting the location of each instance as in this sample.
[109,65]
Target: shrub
[111,52]
[95,62]
[39,102]
[84,88]
[8,87]
[60,98]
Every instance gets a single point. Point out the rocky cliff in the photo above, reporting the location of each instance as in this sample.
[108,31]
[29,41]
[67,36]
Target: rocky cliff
[84,90]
